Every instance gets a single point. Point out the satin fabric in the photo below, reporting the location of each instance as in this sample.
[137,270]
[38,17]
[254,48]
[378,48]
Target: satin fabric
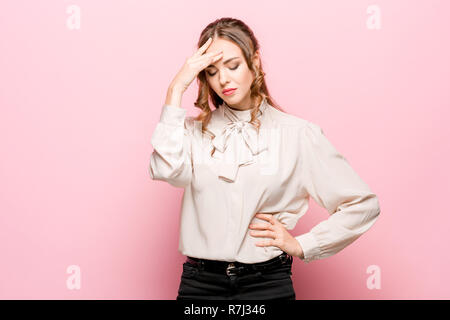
[276,171]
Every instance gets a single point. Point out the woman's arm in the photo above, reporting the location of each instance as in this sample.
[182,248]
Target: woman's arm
[330,180]
[171,158]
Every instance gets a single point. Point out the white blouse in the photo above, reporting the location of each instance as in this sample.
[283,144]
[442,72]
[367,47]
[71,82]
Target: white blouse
[275,171]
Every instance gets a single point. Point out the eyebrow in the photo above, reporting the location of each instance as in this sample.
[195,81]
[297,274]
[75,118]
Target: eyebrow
[225,62]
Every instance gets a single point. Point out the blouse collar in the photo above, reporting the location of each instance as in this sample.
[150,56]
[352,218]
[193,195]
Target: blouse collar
[238,142]
[240,115]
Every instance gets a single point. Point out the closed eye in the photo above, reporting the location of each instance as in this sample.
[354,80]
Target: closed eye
[234,68]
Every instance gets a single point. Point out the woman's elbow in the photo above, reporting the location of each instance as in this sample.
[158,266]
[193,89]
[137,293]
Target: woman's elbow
[178,177]
[374,208]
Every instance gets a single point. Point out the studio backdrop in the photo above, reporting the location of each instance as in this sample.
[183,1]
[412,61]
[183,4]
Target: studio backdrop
[82,84]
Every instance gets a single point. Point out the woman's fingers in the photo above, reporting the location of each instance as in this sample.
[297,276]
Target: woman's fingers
[203,48]
[212,59]
[206,59]
[266,216]
[207,56]
[261,226]
[265,234]
[194,64]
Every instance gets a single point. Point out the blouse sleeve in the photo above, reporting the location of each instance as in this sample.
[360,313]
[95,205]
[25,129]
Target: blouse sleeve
[170,160]
[330,180]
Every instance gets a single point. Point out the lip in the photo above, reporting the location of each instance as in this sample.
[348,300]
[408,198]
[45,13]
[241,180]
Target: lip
[229,91]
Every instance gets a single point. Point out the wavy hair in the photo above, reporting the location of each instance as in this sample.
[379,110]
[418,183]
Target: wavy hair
[239,33]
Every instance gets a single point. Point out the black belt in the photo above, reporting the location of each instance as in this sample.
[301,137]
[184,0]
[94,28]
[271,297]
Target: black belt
[234,268]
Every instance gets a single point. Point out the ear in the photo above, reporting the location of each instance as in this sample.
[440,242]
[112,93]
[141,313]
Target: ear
[256,59]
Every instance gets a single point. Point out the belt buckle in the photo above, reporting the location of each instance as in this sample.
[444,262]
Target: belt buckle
[284,257]
[229,269]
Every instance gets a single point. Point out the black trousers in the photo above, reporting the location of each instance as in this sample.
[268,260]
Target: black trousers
[199,284]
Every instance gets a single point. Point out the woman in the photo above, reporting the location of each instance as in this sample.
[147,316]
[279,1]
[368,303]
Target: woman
[248,170]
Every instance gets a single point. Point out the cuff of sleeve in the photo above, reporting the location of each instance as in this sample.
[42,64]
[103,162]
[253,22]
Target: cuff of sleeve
[310,246]
[172,115]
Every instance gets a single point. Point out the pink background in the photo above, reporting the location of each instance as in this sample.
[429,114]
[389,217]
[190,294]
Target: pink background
[78,108]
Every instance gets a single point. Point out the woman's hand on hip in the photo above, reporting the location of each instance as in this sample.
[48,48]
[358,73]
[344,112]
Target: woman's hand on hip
[274,229]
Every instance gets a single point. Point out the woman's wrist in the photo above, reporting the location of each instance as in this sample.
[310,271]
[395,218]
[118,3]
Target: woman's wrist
[174,95]
[300,253]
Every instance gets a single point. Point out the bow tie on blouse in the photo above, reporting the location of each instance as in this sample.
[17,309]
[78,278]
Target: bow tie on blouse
[238,142]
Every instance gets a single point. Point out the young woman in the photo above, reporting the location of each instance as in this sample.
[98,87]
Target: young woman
[248,170]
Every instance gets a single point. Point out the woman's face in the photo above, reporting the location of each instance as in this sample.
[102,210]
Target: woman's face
[230,71]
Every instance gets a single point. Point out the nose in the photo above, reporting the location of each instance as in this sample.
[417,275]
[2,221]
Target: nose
[223,79]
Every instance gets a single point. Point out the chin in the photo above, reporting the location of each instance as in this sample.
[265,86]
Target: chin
[233,99]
